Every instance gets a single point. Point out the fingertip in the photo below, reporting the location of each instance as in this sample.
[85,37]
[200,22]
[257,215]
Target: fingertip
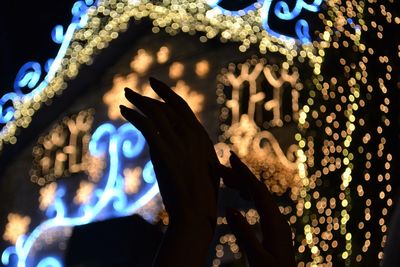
[125,112]
[160,87]
[234,160]
[233,154]
[130,94]
[154,82]
[123,108]
[128,113]
[237,164]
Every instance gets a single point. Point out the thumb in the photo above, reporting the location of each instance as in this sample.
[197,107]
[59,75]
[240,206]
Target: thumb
[233,180]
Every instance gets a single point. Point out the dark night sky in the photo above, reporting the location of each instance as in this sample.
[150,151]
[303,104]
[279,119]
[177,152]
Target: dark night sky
[25,34]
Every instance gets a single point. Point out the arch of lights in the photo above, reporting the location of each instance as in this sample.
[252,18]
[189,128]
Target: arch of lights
[34,85]
[344,23]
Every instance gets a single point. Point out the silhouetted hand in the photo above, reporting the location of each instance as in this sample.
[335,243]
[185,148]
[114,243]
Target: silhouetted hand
[184,161]
[276,248]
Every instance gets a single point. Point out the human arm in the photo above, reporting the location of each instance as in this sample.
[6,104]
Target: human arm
[276,247]
[185,164]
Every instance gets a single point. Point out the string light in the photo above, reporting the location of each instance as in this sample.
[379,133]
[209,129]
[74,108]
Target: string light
[94,27]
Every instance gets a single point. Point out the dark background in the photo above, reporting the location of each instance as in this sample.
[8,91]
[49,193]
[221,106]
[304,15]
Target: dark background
[25,34]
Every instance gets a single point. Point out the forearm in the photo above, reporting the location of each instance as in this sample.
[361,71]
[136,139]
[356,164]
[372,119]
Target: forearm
[185,244]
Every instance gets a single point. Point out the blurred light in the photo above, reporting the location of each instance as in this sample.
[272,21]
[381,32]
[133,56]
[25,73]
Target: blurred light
[124,142]
[57,35]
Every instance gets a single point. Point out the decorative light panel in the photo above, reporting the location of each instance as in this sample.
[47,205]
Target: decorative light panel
[96,24]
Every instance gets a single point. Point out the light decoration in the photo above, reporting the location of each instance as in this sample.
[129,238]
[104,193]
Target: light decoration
[327,233]
[84,192]
[64,151]
[261,87]
[268,8]
[141,62]
[338,122]
[176,70]
[47,195]
[95,24]
[49,261]
[341,192]
[30,89]
[17,225]
[132,180]
[141,65]
[257,98]
[202,68]
[105,199]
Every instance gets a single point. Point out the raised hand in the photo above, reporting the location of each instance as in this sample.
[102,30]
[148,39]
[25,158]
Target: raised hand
[185,164]
[276,247]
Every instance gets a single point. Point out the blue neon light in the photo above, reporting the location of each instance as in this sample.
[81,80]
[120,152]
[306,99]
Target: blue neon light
[216,5]
[30,73]
[49,262]
[7,113]
[302,31]
[108,200]
[148,173]
[48,64]
[281,10]
[57,35]
[131,148]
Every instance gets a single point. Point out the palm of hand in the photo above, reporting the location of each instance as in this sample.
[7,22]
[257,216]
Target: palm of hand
[181,151]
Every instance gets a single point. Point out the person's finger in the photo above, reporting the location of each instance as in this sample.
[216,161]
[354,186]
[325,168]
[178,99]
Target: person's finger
[172,99]
[193,129]
[147,128]
[247,240]
[276,231]
[139,121]
[232,179]
[181,108]
[239,167]
[155,111]
[159,151]
[258,190]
